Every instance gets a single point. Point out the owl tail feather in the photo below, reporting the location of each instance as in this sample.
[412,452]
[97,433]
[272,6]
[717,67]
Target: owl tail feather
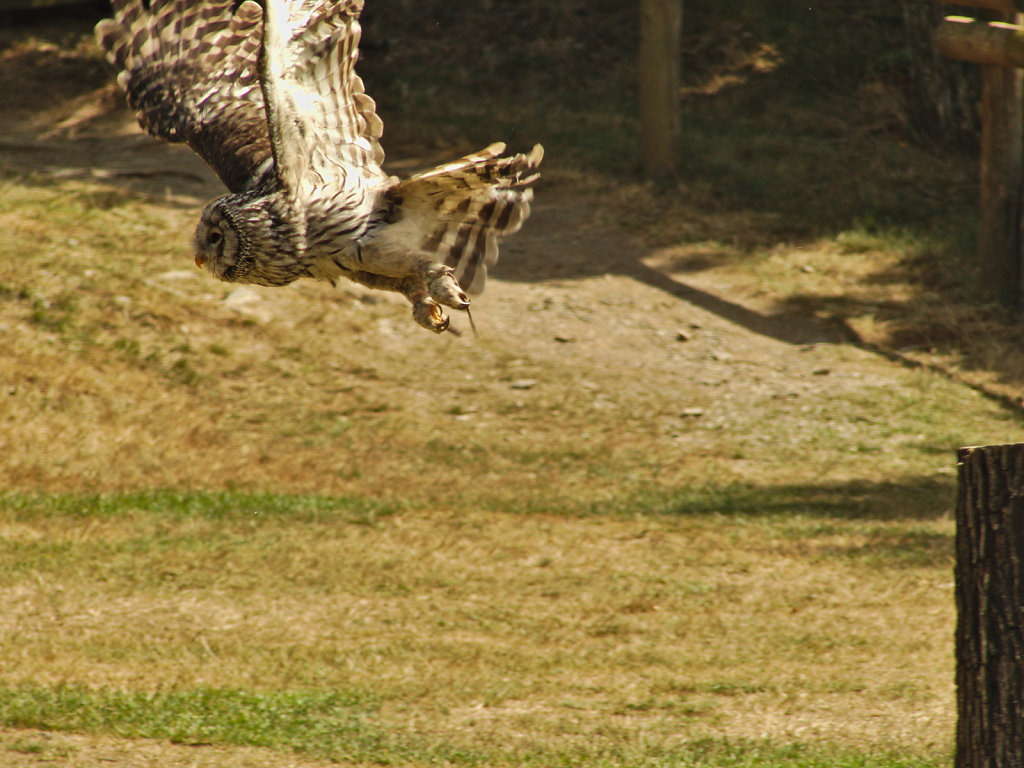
[468,204]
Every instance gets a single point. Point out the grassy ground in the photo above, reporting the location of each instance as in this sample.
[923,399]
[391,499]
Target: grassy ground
[672,507]
[344,633]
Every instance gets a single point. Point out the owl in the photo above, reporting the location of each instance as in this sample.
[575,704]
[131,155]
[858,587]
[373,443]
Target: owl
[268,96]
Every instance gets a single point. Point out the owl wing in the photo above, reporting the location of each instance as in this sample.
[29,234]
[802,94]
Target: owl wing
[190,71]
[323,126]
[469,205]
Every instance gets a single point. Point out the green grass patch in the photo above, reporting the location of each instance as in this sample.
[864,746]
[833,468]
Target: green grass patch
[208,505]
[884,500]
[328,724]
[340,726]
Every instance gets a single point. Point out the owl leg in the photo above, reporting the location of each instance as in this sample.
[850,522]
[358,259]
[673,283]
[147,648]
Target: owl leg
[425,310]
[385,258]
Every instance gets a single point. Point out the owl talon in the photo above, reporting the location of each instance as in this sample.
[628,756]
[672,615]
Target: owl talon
[445,289]
[428,313]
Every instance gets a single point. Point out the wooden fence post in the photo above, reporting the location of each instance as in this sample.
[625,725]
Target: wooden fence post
[1002,177]
[999,48]
[990,607]
[661,23]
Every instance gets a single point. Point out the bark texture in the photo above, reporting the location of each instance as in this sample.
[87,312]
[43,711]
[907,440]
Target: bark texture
[990,607]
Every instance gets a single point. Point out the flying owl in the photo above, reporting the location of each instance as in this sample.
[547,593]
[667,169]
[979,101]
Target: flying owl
[268,97]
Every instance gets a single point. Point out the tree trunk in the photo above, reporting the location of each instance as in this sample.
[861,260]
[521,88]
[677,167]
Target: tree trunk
[661,23]
[942,95]
[990,607]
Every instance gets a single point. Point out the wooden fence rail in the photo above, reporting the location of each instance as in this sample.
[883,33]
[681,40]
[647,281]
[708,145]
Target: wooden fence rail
[993,42]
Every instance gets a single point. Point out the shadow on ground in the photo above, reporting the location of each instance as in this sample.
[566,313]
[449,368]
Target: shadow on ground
[914,499]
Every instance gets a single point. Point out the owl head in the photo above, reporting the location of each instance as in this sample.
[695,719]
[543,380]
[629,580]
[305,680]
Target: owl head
[236,241]
[218,248]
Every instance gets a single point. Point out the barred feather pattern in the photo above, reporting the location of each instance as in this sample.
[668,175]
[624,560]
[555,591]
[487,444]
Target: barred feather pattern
[190,71]
[325,128]
[472,203]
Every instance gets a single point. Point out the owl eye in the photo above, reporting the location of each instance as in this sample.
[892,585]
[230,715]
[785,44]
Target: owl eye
[215,237]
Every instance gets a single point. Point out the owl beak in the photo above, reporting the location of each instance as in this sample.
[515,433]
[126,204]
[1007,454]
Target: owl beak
[199,260]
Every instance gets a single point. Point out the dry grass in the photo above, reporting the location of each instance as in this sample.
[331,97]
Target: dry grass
[492,630]
[20,748]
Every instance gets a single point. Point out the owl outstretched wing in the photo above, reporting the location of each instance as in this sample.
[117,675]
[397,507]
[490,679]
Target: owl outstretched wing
[322,124]
[191,74]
